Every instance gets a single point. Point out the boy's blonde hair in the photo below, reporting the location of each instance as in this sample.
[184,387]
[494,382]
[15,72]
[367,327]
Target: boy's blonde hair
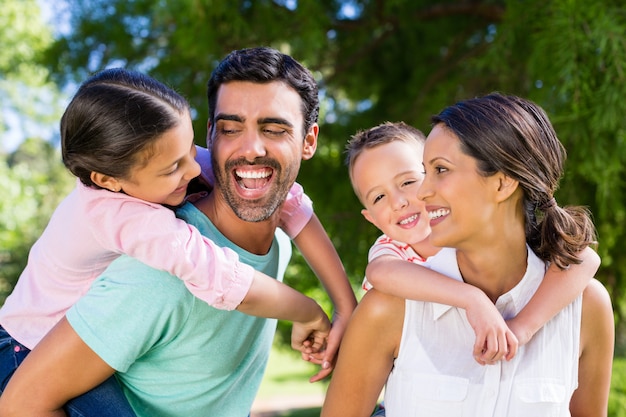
[379,135]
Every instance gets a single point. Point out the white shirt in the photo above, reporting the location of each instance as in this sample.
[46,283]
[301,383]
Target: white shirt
[436,375]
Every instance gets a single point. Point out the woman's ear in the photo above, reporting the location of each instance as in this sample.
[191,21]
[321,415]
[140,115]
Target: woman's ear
[506,186]
[106,181]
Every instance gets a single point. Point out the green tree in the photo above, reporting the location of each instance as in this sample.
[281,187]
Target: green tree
[394,60]
[32,177]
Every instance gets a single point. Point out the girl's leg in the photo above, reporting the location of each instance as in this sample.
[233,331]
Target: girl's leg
[12,353]
[105,400]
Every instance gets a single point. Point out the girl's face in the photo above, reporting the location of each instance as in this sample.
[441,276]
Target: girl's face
[461,203]
[169,168]
[386,179]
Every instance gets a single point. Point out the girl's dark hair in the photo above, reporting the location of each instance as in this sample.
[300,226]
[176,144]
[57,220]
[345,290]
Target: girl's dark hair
[115,116]
[514,136]
[264,65]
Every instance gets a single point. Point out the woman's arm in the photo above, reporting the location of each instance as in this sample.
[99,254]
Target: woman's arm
[400,278]
[366,357]
[597,340]
[557,290]
[60,368]
[323,259]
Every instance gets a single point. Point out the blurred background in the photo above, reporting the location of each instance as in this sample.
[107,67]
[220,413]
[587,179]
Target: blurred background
[375,61]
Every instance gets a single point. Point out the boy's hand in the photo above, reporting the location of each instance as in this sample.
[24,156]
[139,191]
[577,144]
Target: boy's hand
[494,339]
[522,333]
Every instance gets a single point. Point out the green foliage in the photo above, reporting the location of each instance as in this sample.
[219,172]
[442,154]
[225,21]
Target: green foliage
[394,60]
[24,86]
[617,397]
[32,182]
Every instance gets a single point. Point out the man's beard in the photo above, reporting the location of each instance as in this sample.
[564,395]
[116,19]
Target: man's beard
[254,210]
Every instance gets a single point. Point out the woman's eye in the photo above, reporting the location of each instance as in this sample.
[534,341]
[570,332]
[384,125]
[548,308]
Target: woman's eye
[440,169]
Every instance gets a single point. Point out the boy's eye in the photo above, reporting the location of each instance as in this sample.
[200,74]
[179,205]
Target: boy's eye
[377,198]
[408,182]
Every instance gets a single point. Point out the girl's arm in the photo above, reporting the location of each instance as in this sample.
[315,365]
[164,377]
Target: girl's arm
[366,357]
[323,259]
[597,340]
[558,289]
[270,298]
[60,368]
[400,278]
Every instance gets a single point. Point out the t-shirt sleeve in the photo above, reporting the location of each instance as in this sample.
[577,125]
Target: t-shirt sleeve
[128,310]
[296,211]
[155,236]
[382,246]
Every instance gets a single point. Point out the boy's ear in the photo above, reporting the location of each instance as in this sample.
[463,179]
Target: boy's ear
[367,216]
[106,181]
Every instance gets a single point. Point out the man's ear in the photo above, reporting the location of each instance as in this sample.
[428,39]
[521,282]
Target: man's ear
[208,134]
[106,181]
[310,142]
[506,186]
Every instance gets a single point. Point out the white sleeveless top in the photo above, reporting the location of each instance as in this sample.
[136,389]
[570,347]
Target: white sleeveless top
[436,375]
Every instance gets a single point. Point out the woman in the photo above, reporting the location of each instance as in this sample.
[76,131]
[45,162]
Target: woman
[492,165]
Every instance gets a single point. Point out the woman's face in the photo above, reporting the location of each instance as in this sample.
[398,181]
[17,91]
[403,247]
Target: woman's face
[460,202]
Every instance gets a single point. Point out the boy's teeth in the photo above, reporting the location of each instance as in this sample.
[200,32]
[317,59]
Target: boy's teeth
[409,219]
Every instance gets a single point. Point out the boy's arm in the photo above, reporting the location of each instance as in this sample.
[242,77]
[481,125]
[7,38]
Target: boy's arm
[401,278]
[558,289]
[323,259]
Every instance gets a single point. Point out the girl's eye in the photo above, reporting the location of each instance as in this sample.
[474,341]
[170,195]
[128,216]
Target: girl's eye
[172,172]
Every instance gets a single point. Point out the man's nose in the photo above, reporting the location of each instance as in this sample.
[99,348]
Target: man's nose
[252,146]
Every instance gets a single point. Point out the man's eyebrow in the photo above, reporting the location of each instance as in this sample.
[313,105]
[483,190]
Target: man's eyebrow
[275,121]
[231,117]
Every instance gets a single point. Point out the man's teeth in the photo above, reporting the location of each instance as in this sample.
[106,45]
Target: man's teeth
[438,213]
[408,220]
[253,174]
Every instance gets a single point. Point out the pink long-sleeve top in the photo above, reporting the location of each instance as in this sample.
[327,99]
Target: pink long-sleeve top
[92,227]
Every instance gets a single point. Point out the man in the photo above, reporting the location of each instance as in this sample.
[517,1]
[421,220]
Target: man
[173,354]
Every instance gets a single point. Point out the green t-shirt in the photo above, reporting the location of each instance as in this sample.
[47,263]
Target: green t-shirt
[174,354]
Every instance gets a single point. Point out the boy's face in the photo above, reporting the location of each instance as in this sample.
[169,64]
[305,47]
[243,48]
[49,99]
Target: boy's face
[386,179]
